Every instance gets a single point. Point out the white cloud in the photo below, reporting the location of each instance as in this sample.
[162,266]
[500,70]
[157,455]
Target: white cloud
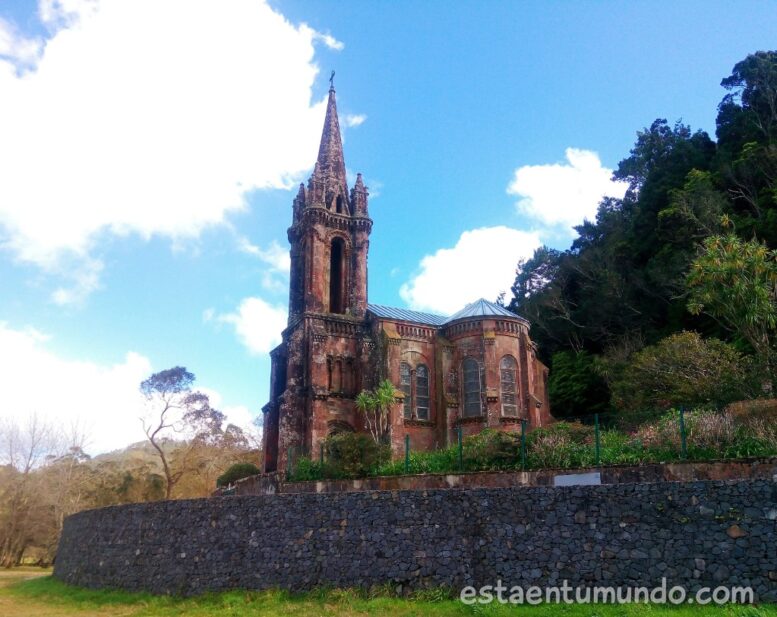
[482,264]
[257,323]
[564,193]
[276,278]
[60,13]
[274,256]
[102,400]
[327,39]
[149,118]
[354,119]
[84,280]
[17,48]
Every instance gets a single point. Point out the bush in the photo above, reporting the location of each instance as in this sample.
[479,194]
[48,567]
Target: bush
[436,461]
[563,444]
[683,369]
[490,450]
[306,470]
[621,449]
[354,455]
[237,472]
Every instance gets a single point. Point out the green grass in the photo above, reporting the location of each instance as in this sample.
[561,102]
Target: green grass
[45,596]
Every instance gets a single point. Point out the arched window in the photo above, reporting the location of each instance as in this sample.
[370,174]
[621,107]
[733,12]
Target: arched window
[473,405]
[404,385]
[336,277]
[507,372]
[339,204]
[422,392]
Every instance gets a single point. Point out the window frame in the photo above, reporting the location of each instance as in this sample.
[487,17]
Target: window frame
[416,406]
[466,393]
[407,405]
[504,393]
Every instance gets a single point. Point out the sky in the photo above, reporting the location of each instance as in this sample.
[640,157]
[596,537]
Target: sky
[150,151]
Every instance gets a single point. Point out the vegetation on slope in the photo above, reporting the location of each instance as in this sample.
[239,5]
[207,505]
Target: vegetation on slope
[709,435]
[696,230]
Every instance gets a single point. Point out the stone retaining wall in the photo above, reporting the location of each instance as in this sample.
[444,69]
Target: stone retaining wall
[694,534]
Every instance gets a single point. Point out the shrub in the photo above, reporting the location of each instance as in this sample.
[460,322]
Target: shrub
[237,472]
[617,448]
[563,444]
[305,470]
[354,455]
[436,461]
[710,432]
[682,369]
[491,449]
[661,437]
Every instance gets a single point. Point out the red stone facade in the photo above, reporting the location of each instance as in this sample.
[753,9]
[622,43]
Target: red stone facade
[477,369]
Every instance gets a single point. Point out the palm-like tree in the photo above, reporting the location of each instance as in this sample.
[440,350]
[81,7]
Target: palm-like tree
[376,407]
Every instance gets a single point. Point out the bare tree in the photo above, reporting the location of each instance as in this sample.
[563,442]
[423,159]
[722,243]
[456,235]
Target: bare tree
[67,480]
[22,449]
[177,409]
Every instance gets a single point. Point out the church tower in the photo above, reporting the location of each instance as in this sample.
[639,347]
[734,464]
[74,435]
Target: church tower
[329,235]
[321,363]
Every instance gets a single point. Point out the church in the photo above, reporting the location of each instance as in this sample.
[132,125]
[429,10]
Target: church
[475,369]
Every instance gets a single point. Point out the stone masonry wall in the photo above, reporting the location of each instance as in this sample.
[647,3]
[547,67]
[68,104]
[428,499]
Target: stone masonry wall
[694,534]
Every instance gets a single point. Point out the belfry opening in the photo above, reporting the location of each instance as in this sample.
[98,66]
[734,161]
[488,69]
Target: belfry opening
[336,253]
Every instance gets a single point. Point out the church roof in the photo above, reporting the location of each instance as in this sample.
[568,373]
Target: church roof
[482,308]
[479,308]
[390,312]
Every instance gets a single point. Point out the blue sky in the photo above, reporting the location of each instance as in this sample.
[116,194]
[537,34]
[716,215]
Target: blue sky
[152,150]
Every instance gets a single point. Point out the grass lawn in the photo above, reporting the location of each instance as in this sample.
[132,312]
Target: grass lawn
[28,592]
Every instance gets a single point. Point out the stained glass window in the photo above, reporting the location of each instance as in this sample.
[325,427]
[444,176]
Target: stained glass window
[404,384]
[422,392]
[508,370]
[473,405]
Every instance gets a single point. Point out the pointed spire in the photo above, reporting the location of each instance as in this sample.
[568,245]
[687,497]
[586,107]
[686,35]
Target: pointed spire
[330,153]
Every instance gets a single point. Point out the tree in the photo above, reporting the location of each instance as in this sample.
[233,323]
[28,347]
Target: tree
[747,144]
[575,387]
[735,281]
[23,448]
[375,405]
[752,88]
[175,407]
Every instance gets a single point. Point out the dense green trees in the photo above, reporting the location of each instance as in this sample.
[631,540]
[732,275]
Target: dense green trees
[627,281]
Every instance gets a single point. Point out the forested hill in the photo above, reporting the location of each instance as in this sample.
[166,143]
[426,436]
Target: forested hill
[627,281]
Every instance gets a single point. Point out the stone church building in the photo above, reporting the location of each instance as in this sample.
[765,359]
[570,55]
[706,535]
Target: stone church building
[476,369]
